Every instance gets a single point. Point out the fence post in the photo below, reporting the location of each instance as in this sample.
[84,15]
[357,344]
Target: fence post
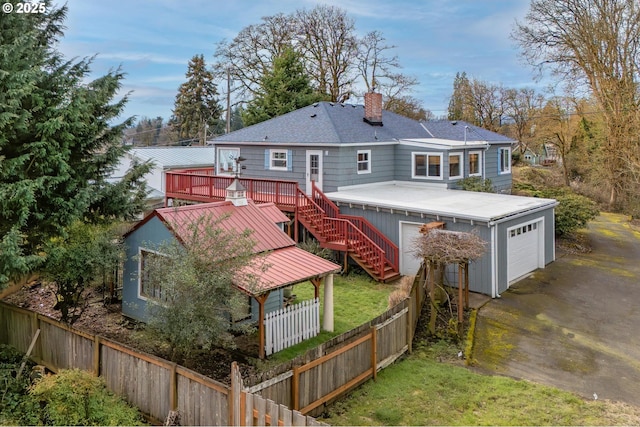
[96,355]
[374,352]
[173,388]
[295,385]
[234,395]
[410,322]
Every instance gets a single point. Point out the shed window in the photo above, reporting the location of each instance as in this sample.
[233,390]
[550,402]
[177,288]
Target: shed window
[147,289]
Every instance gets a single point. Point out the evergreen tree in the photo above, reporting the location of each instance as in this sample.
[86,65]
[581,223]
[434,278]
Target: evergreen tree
[196,105]
[57,143]
[285,88]
[461,103]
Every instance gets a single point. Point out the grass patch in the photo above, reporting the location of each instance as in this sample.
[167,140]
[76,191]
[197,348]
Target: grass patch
[356,300]
[419,390]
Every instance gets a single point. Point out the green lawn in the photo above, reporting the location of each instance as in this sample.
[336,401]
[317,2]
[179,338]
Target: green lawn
[420,390]
[356,298]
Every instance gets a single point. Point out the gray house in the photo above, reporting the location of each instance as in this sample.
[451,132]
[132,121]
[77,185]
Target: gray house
[397,174]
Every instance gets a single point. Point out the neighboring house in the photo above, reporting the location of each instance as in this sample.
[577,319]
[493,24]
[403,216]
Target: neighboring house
[398,173]
[286,263]
[164,159]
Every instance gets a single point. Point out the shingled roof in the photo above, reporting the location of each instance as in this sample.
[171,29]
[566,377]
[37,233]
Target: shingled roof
[337,123]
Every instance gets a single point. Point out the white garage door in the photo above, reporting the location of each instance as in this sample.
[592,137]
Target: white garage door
[524,246]
[409,264]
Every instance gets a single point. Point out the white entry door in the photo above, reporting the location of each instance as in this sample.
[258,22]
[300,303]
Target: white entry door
[314,169]
[409,263]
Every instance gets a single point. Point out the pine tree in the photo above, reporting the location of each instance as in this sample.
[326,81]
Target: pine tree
[461,102]
[196,105]
[57,143]
[285,88]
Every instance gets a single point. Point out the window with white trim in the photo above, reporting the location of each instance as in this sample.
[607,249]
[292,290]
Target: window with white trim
[504,160]
[147,288]
[426,165]
[226,160]
[364,161]
[475,163]
[278,160]
[455,166]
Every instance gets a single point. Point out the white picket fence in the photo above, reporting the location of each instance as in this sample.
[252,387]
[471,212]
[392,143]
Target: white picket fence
[291,325]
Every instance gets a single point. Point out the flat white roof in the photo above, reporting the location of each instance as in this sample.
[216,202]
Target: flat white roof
[413,197]
[172,157]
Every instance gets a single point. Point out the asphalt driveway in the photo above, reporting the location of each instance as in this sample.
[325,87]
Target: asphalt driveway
[574,325]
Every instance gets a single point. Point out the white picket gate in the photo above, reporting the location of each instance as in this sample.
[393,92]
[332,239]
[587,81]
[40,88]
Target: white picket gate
[291,325]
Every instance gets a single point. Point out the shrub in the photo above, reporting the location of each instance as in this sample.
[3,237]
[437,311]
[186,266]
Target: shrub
[313,246]
[75,397]
[12,389]
[476,183]
[573,212]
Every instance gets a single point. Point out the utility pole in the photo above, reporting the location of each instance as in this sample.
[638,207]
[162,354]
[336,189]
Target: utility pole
[228,127]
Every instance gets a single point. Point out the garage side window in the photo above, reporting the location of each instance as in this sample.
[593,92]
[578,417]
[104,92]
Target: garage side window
[504,160]
[524,229]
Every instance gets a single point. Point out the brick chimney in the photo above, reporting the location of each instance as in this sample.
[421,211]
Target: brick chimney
[373,108]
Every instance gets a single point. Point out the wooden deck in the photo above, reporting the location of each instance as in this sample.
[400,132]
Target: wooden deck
[351,234]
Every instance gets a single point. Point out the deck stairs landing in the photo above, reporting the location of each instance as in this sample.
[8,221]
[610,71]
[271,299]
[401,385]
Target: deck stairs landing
[354,235]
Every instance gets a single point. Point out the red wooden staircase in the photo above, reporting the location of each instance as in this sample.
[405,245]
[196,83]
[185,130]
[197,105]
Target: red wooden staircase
[356,236]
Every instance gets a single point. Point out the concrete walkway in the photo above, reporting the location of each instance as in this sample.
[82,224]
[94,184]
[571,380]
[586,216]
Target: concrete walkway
[574,325]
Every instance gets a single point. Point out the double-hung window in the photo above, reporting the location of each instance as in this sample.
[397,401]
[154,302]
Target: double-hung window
[504,160]
[364,161]
[277,159]
[475,163]
[426,165]
[455,166]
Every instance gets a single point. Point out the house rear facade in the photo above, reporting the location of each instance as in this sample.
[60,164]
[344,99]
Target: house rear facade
[399,174]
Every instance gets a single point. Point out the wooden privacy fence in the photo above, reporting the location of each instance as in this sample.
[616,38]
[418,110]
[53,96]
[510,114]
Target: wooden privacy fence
[283,397]
[154,385]
[291,325]
[338,366]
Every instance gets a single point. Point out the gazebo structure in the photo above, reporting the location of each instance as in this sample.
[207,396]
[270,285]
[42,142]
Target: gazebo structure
[278,262]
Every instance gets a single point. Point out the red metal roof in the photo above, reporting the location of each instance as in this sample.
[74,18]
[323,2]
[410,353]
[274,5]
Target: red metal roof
[283,267]
[272,212]
[280,262]
[264,231]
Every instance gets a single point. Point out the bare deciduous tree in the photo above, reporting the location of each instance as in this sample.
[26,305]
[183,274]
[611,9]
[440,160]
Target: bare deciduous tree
[329,44]
[598,42]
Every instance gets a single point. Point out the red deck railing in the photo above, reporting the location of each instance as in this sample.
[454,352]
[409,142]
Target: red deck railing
[320,215]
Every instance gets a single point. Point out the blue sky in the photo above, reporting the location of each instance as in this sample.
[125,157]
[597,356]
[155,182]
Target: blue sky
[153,40]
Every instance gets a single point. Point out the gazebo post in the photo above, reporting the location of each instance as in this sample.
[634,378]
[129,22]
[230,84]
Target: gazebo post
[327,323]
[262,299]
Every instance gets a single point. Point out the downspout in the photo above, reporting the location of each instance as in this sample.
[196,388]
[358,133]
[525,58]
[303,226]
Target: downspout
[494,261]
